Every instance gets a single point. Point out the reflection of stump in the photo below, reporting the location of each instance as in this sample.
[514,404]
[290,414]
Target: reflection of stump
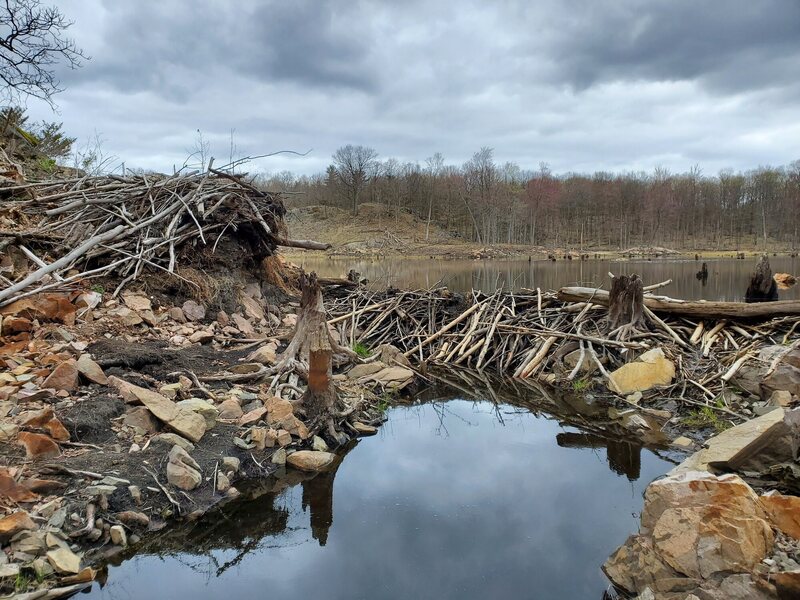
[626,303]
[762,286]
[702,274]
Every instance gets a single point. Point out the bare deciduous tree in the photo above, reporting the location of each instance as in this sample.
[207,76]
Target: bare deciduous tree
[355,166]
[32,42]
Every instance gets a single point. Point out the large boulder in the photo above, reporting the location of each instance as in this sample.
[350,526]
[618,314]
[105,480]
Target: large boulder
[696,529]
[651,369]
[310,460]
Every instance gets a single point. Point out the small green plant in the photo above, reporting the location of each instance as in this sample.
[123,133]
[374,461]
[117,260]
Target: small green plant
[46,164]
[706,416]
[360,349]
[581,385]
[98,288]
[22,582]
[386,400]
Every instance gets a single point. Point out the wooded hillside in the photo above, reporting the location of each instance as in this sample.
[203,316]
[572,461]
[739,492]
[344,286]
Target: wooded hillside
[487,202]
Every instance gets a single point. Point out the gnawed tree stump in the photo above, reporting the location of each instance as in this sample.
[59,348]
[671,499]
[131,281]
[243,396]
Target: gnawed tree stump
[626,306]
[763,287]
[312,352]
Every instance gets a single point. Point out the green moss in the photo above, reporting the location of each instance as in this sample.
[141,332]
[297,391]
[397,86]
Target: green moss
[360,349]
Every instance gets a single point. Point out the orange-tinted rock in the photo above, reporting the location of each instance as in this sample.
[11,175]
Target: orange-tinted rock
[43,486]
[57,430]
[787,584]
[254,416]
[36,419]
[63,377]
[13,348]
[12,490]
[42,307]
[783,512]
[14,523]
[12,325]
[38,445]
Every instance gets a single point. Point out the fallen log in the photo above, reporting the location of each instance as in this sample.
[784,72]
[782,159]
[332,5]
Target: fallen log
[690,308]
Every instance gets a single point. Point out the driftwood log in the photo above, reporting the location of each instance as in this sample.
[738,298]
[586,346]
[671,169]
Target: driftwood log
[687,308]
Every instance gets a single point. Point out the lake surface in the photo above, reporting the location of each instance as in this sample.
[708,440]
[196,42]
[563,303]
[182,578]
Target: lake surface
[727,279]
[452,499]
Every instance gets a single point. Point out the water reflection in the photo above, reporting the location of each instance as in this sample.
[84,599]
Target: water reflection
[726,279]
[453,499]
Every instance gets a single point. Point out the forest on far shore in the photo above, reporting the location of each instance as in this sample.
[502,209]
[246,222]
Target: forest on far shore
[490,203]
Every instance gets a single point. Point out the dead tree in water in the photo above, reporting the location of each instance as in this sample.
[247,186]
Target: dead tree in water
[763,287]
[626,306]
[702,274]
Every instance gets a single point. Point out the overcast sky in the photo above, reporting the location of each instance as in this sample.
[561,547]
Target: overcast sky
[583,85]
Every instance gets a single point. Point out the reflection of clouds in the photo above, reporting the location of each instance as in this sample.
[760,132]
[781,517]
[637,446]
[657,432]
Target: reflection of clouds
[483,512]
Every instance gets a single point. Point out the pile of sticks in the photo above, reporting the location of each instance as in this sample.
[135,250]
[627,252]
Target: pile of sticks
[527,334]
[78,229]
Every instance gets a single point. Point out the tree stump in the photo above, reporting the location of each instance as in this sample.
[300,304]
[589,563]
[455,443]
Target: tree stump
[763,287]
[626,305]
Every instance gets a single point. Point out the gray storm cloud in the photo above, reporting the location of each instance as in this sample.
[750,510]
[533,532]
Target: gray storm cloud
[587,85]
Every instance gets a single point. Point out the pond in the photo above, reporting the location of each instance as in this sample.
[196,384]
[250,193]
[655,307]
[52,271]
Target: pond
[453,498]
[727,278]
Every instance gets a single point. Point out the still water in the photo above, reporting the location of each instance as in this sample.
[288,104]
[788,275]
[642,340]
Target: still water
[452,499]
[727,278]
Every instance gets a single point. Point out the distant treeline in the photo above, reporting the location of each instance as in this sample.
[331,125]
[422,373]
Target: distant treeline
[490,203]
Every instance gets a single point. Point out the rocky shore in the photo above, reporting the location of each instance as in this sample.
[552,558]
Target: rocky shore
[120,415]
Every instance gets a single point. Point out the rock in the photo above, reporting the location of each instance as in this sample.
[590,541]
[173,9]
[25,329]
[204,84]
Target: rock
[118,535]
[230,464]
[223,483]
[243,325]
[64,560]
[263,437]
[56,430]
[318,444]
[137,302]
[208,411]
[279,457]
[15,492]
[254,416]
[785,377]
[230,409]
[184,421]
[683,442]
[173,439]
[651,369]
[170,390]
[634,398]
[780,398]
[133,518]
[128,317]
[201,337]
[696,529]
[99,490]
[784,280]
[8,431]
[42,307]
[176,314]
[364,429]
[36,418]
[252,308]
[284,438]
[12,524]
[182,470]
[14,325]
[142,420]
[289,320]
[9,570]
[265,354]
[193,311]
[309,460]
[732,444]
[783,512]
[245,368]
[38,445]
[91,370]
[63,377]
[136,494]
[787,584]
[365,370]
